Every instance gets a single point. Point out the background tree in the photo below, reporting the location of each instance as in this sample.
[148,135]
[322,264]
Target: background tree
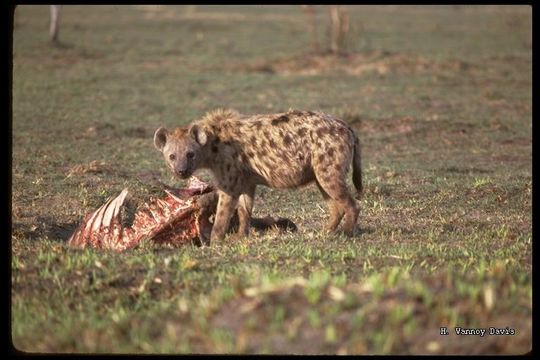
[54,26]
[337,29]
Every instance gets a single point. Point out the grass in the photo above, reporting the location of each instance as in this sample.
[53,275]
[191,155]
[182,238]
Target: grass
[443,110]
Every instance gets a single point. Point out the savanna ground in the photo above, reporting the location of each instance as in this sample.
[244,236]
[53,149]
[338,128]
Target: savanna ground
[441,99]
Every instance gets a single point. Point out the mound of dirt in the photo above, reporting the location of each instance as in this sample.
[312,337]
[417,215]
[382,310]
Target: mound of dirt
[294,317]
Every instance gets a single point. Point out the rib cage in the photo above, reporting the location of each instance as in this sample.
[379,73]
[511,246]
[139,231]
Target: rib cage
[175,220]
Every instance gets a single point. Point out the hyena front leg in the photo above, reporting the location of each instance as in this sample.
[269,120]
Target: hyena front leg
[225,208]
[245,207]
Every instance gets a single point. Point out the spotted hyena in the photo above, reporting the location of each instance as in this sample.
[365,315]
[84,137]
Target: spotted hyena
[283,150]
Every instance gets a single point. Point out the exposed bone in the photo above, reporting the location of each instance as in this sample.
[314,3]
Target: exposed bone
[180,218]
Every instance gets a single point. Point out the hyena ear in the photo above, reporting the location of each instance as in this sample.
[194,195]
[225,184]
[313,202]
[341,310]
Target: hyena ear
[198,134]
[160,138]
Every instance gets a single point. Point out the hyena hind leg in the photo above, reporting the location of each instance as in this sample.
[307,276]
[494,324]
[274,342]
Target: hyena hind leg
[351,215]
[341,204]
[336,211]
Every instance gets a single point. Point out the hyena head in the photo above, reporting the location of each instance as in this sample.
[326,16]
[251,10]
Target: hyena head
[183,149]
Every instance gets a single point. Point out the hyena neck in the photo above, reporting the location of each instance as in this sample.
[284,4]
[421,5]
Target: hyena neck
[221,156]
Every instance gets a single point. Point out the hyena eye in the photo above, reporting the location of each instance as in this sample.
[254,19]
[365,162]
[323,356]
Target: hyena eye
[190,155]
[172,156]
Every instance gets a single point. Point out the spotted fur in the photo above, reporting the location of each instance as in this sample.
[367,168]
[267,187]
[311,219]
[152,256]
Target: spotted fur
[284,150]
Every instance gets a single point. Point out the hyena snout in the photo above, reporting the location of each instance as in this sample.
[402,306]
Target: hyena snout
[184,167]
[184,171]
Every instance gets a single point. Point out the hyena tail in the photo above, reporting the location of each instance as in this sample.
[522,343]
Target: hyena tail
[357,168]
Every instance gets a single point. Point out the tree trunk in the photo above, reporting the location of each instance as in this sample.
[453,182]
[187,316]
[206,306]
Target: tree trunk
[311,13]
[54,23]
[339,23]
